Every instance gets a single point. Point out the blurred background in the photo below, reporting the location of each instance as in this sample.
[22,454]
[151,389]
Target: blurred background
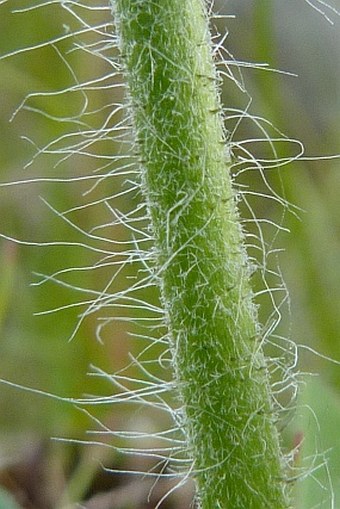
[39,473]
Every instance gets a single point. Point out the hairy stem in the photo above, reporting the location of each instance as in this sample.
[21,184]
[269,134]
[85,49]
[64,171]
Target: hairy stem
[215,339]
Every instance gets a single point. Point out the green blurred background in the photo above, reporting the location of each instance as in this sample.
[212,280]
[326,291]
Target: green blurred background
[35,352]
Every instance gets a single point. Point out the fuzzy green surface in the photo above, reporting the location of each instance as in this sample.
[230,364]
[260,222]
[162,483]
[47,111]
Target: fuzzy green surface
[218,364]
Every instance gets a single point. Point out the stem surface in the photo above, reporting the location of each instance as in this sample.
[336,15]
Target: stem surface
[219,367]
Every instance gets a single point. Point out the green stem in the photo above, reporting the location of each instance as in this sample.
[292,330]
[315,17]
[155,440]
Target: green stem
[219,367]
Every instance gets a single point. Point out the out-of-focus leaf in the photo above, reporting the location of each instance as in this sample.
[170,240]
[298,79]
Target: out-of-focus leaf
[7,501]
[318,424]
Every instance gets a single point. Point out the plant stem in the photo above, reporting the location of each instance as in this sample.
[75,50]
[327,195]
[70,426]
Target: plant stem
[219,367]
